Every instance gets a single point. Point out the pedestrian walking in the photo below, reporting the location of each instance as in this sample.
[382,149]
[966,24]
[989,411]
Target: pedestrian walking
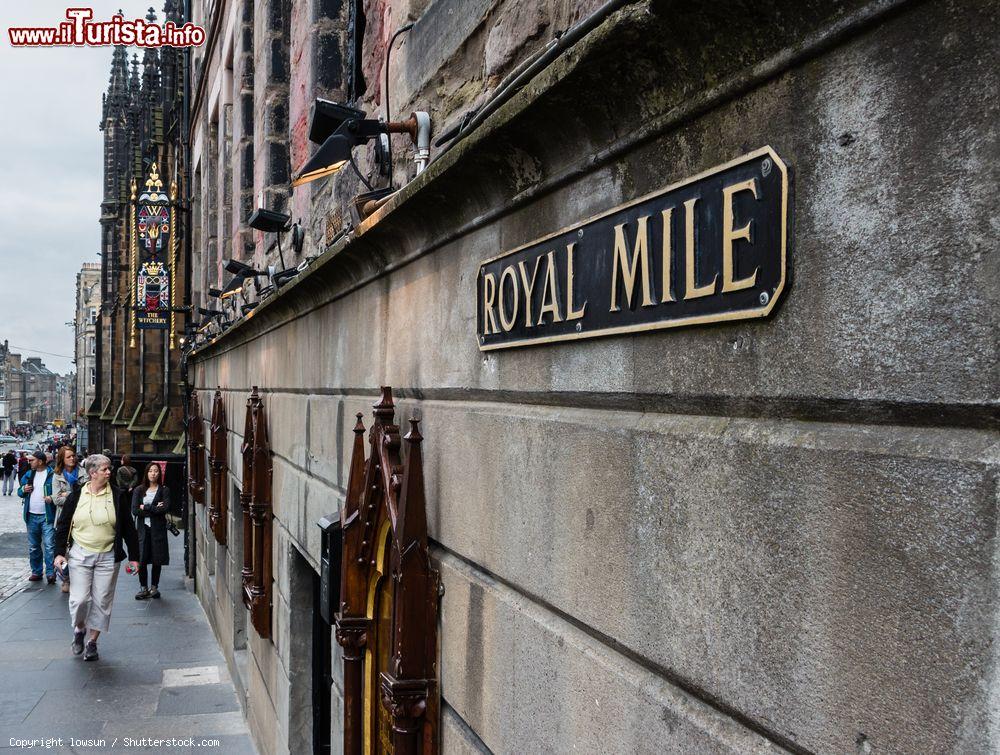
[150,506]
[98,520]
[39,516]
[67,474]
[8,465]
[126,476]
[23,465]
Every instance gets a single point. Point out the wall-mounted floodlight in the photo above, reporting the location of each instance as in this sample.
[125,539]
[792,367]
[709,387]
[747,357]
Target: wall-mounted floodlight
[345,128]
[282,277]
[215,293]
[327,117]
[239,268]
[235,285]
[269,221]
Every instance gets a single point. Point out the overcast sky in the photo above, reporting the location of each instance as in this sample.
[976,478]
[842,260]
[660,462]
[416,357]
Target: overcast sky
[51,155]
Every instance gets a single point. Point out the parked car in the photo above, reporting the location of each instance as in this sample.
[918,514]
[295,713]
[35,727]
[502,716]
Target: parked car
[8,439]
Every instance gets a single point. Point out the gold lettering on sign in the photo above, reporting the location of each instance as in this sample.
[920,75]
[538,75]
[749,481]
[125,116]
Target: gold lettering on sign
[504,322]
[550,293]
[730,234]
[639,266]
[571,314]
[667,216]
[489,294]
[691,291]
[528,288]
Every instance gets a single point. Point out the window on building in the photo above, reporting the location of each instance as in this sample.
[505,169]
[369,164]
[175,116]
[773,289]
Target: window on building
[92,315]
[92,345]
[93,376]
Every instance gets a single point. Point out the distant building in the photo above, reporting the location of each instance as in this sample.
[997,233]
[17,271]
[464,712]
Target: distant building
[36,391]
[5,401]
[88,306]
[65,390]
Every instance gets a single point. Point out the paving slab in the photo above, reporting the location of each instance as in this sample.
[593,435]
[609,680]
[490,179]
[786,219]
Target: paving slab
[215,698]
[161,674]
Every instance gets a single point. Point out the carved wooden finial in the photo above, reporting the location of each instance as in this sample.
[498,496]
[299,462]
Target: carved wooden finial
[388,488]
[414,435]
[359,426]
[384,409]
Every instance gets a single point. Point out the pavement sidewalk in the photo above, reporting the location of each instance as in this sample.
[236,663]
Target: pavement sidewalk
[160,676]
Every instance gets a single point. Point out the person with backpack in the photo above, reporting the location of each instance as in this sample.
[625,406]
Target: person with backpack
[68,473]
[7,466]
[39,517]
[126,477]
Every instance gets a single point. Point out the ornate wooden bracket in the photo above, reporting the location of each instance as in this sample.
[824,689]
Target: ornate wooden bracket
[385,556]
[196,450]
[255,501]
[218,511]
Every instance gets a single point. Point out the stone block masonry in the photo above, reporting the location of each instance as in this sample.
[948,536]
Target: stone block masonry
[762,536]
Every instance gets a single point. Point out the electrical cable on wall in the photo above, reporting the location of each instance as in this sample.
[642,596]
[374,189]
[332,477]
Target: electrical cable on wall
[388,51]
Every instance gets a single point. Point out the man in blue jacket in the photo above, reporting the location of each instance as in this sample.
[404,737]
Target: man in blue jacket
[39,516]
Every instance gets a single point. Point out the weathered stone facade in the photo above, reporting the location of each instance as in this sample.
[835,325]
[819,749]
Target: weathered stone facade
[30,389]
[758,536]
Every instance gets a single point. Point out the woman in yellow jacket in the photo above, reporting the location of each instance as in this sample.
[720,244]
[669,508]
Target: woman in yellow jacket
[102,530]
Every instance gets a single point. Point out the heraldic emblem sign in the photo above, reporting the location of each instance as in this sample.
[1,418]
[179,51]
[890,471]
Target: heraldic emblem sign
[154,253]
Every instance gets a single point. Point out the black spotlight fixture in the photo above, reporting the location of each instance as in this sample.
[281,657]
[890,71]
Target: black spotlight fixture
[235,284]
[339,129]
[249,307]
[328,116]
[208,314]
[270,221]
[215,293]
[239,268]
[282,277]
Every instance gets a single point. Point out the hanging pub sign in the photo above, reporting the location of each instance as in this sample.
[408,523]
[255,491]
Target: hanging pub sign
[153,253]
[154,295]
[710,248]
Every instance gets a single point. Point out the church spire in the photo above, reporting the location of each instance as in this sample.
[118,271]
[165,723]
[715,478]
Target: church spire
[151,68]
[117,94]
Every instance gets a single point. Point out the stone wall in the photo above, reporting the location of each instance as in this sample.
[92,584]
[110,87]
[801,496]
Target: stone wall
[743,537]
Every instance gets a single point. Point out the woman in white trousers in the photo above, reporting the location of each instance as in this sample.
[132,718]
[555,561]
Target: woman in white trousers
[98,522]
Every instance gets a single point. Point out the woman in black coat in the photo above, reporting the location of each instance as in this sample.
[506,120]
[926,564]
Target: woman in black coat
[150,506]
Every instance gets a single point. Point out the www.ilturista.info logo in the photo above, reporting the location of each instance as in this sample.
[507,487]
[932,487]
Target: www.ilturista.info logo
[80,31]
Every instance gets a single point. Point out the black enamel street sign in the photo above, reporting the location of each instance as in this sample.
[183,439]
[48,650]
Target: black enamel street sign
[712,247]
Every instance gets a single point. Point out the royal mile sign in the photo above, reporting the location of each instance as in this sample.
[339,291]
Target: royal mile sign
[712,247]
